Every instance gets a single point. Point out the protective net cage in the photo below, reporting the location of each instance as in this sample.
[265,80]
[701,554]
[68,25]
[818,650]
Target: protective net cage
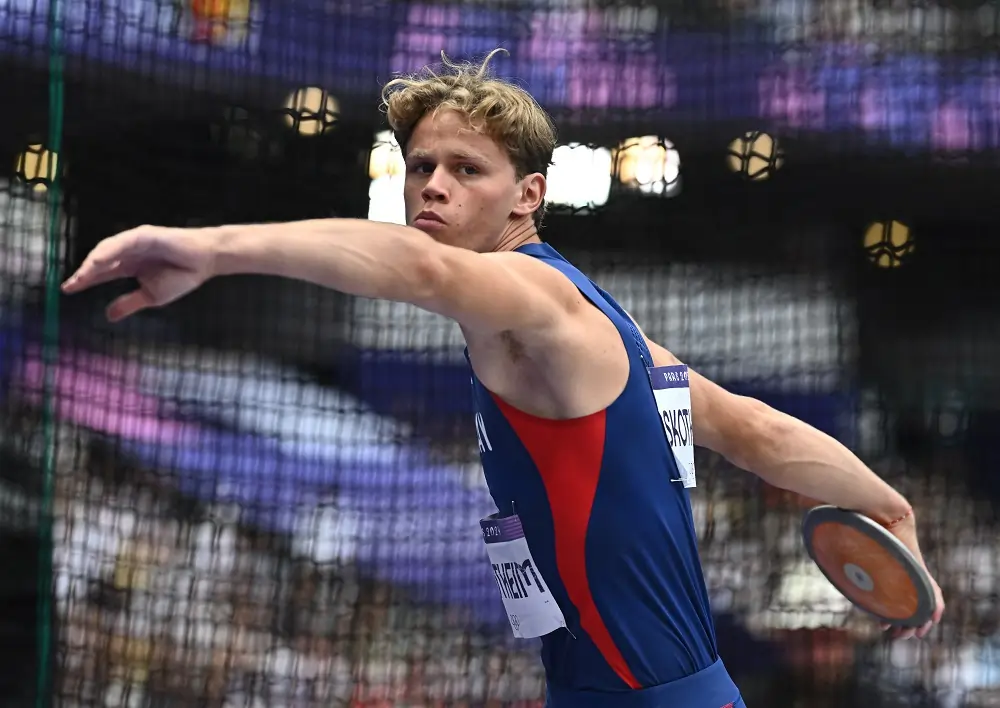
[267,494]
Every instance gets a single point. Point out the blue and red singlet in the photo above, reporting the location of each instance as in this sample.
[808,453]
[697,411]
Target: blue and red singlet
[596,540]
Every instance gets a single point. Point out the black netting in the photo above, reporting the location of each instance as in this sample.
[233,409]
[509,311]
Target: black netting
[267,494]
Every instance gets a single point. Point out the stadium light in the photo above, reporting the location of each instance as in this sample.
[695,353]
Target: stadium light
[755,155]
[386,169]
[37,166]
[648,164]
[580,176]
[888,244]
[311,111]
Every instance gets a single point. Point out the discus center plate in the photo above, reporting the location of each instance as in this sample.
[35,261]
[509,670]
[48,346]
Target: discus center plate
[857,575]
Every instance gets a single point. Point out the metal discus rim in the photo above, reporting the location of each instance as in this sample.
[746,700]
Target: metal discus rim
[893,546]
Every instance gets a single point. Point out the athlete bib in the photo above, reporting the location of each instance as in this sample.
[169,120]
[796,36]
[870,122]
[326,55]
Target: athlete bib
[531,609]
[672,391]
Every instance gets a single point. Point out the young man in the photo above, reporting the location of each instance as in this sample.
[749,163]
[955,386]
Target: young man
[593,548]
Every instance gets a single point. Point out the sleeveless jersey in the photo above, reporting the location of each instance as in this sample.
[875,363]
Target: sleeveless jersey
[610,532]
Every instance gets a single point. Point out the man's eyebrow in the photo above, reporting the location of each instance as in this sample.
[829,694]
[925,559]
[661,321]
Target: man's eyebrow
[454,155]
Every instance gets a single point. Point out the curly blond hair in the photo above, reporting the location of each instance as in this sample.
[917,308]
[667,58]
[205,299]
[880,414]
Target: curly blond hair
[504,112]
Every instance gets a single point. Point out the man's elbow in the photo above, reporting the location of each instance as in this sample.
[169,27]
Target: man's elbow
[429,281]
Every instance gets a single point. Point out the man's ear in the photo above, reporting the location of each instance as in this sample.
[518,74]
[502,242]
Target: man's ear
[532,194]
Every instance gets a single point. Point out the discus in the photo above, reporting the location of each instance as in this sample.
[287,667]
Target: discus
[869,566]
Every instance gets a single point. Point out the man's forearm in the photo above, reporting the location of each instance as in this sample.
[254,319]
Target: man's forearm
[795,456]
[354,256]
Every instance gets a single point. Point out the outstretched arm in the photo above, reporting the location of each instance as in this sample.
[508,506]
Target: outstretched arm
[792,455]
[491,291]
[483,292]
[784,451]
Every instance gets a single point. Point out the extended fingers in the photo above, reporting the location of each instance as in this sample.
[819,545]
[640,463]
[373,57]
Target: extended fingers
[110,260]
[94,273]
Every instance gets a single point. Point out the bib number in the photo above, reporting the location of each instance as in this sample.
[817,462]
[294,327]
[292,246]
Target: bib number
[672,391]
[531,609]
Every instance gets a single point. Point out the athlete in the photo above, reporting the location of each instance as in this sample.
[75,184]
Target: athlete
[583,423]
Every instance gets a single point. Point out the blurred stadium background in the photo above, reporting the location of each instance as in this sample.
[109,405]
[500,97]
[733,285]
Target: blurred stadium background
[266,494]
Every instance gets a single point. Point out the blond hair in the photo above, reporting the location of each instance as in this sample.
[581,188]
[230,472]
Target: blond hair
[502,111]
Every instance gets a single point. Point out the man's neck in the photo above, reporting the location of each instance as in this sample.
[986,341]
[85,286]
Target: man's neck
[517,234]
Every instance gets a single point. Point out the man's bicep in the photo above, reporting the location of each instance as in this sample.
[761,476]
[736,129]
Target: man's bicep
[495,292]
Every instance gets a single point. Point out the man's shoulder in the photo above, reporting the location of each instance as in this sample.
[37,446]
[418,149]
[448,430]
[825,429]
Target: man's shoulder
[552,275]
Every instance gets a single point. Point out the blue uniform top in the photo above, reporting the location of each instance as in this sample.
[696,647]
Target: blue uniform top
[613,536]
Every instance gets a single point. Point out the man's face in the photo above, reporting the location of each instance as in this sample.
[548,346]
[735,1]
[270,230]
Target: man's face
[461,188]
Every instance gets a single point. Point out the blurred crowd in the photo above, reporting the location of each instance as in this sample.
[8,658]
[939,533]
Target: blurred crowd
[165,601]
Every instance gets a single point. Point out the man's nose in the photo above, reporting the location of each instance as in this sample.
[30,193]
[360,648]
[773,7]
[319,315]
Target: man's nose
[436,187]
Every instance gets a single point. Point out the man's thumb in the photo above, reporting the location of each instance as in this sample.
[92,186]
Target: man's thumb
[128,304]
